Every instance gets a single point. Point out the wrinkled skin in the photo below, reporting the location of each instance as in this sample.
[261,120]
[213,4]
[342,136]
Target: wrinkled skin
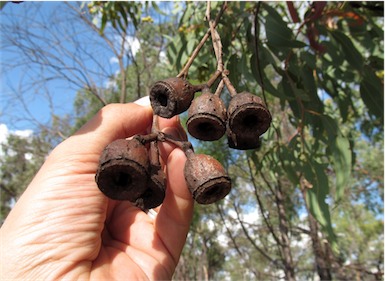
[63,227]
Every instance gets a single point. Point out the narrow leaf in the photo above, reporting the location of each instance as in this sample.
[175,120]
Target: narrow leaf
[157,9]
[342,160]
[316,199]
[278,34]
[352,55]
[372,94]
[103,23]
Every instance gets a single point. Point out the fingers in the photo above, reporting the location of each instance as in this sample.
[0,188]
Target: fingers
[114,121]
[173,220]
[79,154]
[174,217]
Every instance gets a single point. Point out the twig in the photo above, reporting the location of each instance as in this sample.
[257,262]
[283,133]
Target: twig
[228,83]
[216,39]
[219,89]
[183,73]
[154,148]
[256,32]
[213,78]
[186,146]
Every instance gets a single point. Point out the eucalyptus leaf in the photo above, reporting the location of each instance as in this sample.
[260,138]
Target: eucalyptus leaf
[372,93]
[157,9]
[341,156]
[279,35]
[352,56]
[316,199]
[103,23]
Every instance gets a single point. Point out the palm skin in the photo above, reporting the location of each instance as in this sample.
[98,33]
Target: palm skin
[63,227]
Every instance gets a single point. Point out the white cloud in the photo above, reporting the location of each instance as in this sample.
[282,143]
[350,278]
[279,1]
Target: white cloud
[111,84]
[22,133]
[114,60]
[252,217]
[5,132]
[132,43]
[162,57]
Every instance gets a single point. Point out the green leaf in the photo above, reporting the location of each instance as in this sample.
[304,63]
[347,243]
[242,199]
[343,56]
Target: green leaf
[133,18]
[188,12]
[372,93]
[317,194]
[330,125]
[333,54]
[191,42]
[157,9]
[232,66]
[352,56]
[244,68]
[123,15]
[289,163]
[308,83]
[103,23]
[280,35]
[310,59]
[265,83]
[341,156]
[2,4]
[316,199]
[277,32]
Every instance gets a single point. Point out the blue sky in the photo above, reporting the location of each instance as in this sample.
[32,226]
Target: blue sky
[30,91]
[15,80]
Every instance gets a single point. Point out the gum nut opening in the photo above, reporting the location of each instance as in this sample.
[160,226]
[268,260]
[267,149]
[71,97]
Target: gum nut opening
[122,179]
[206,179]
[207,118]
[212,191]
[123,170]
[171,97]
[248,116]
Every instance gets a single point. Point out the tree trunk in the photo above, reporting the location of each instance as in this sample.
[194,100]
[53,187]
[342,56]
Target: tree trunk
[284,231]
[321,261]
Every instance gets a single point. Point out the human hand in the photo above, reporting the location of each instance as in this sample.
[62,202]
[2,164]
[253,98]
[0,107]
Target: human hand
[63,227]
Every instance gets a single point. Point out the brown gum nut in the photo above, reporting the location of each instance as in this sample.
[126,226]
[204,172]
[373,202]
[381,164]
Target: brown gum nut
[241,142]
[207,117]
[248,116]
[171,96]
[156,190]
[123,170]
[206,178]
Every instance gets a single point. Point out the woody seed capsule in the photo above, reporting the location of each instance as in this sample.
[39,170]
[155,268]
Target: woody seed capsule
[172,96]
[123,170]
[248,117]
[242,142]
[156,190]
[207,117]
[206,178]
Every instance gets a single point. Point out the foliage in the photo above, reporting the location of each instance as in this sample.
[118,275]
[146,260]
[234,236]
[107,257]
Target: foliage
[321,74]
[20,159]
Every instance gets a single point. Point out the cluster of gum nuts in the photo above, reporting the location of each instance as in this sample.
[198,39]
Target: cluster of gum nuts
[130,169]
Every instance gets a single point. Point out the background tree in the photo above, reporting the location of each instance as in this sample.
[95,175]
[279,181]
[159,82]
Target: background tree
[312,65]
